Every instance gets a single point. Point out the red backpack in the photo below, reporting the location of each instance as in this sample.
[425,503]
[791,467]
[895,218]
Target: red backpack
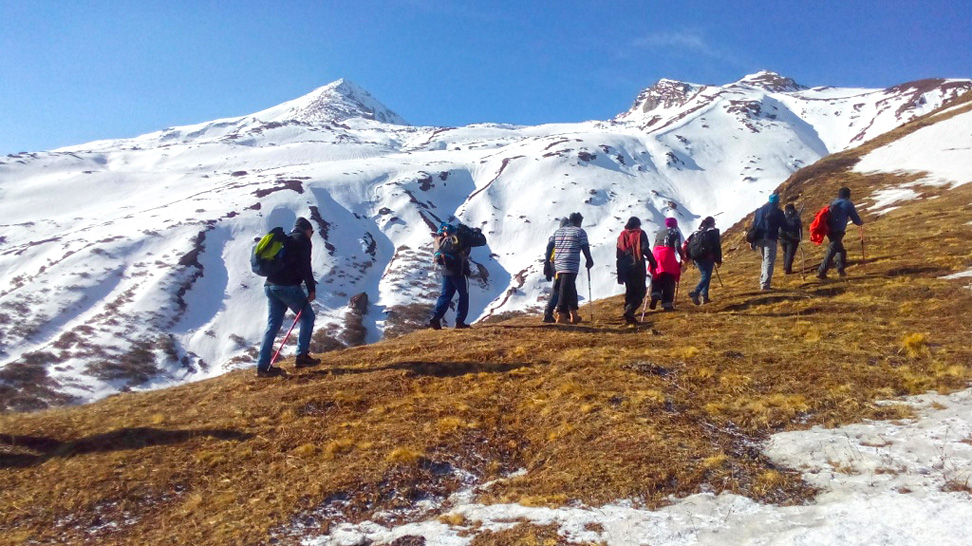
[820,227]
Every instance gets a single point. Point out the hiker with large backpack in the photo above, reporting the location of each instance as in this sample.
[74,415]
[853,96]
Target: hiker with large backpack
[791,233]
[704,247]
[451,246]
[840,211]
[285,260]
[569,242]
[551,274]
[634,257]
[766,224]
[669,256]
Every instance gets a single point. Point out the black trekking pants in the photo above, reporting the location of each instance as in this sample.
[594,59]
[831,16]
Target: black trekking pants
[554,298]
[663,289]
[789,253]
[834,250]
[634,289]
[568,292]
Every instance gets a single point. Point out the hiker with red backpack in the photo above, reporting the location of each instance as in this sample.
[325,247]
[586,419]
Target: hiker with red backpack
[766,223]
[283,292]
[704,247]
[633,255]
[840,211]
[670,257]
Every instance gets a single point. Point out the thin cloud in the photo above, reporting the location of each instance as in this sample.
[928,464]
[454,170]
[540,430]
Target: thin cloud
[684,42]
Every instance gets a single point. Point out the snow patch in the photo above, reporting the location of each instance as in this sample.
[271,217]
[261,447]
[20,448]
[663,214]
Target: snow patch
[889,483]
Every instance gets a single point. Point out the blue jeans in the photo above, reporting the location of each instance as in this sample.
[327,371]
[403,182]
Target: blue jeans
[450,285]
[279,299]
[705,268]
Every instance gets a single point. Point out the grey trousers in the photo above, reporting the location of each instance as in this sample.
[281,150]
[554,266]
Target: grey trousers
[767,250]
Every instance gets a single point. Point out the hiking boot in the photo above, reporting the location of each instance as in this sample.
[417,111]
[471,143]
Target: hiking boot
[705,299]
[272,371]
[822,276]
[435,324]
[575,317]
[549,319]
[695,298]
[563,318]
[629,319]
[668,307]
[653,303]
[461,326]
[841,273]
[305,361]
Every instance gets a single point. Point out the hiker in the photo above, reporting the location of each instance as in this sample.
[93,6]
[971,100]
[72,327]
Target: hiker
[569,242]
[669,257]
[841,210]
[452,261]
[632,253]
[791,233]
[551,274]
[704,247]
[283,291]
[767,222]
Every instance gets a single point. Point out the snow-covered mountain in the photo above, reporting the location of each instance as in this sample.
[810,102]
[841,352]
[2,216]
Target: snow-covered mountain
[124,263]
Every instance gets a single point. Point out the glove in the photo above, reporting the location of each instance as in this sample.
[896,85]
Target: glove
[590,264]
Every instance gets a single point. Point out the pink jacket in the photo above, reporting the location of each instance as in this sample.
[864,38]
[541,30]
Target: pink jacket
[667,258]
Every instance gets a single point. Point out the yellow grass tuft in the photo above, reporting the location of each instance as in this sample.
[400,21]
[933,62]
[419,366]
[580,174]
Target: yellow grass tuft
[404,455]
[915,345]
[305,450]
[689,352]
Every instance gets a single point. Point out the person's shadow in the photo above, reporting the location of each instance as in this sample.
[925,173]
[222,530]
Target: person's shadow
[24,451]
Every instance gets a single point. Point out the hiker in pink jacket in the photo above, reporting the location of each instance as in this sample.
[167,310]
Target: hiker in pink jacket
[669,255]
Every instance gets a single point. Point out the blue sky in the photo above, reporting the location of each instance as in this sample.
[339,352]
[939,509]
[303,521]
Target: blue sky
[72,72]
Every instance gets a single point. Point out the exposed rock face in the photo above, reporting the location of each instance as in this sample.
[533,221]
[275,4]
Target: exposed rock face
[772,82]
[667,94]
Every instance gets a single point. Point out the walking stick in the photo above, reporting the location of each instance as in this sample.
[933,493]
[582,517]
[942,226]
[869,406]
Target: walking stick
[590,298]
[276,354]
[644,306]
[863,257]
[718,276]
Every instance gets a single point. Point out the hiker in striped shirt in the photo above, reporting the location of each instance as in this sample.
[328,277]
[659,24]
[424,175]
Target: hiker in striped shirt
[569,242]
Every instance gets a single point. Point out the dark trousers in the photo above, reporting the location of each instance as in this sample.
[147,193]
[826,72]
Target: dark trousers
[568,292]
[634,289]
[789,253]
[705,270]
[834,250]
[554,298]
[663,289]
[450,285]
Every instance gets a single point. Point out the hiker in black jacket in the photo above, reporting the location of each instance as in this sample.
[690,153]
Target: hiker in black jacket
[707,254]
[767,222]
[550,273]
[791,233]
[452,261]
[633,255]
[283,291]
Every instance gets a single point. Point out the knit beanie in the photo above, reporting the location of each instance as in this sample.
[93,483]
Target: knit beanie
[302,225]
[671,222]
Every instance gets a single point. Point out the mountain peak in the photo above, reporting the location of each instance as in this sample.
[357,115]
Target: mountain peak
[665,93]
[333,103]
[771,81]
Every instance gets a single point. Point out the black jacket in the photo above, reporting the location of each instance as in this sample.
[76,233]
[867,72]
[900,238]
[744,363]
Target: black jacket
[792,229]
[298,268]
[768,220]
[712,242]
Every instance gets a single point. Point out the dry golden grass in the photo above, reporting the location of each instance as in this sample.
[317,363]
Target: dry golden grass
[594,412]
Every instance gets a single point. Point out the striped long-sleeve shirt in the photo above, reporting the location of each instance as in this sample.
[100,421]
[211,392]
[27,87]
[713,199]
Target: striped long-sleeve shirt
[568,242]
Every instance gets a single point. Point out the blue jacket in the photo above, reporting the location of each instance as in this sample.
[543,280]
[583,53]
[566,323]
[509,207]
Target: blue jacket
[768,221]
[842,210]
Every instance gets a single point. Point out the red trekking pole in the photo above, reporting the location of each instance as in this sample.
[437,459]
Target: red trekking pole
[276,354]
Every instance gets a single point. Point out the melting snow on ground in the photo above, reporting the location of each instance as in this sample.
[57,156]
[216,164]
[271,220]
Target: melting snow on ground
[882,484]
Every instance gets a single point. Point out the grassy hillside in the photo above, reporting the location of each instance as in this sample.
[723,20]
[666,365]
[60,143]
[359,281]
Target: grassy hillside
[593,412]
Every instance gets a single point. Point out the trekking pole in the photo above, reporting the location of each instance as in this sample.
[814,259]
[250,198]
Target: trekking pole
[718,276]
[863,257]
[803,270]
[644,306]
[276,354]
[590,298]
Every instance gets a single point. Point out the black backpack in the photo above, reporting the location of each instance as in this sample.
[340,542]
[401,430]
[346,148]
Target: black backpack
[269,255]
[470,237]
[696,245]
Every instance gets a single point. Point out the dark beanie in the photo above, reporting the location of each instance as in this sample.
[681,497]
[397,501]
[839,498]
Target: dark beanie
[708,221]
[633,223]
[302,224]
[844,193]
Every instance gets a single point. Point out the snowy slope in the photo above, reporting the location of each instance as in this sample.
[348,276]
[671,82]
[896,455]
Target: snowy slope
[124,264]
